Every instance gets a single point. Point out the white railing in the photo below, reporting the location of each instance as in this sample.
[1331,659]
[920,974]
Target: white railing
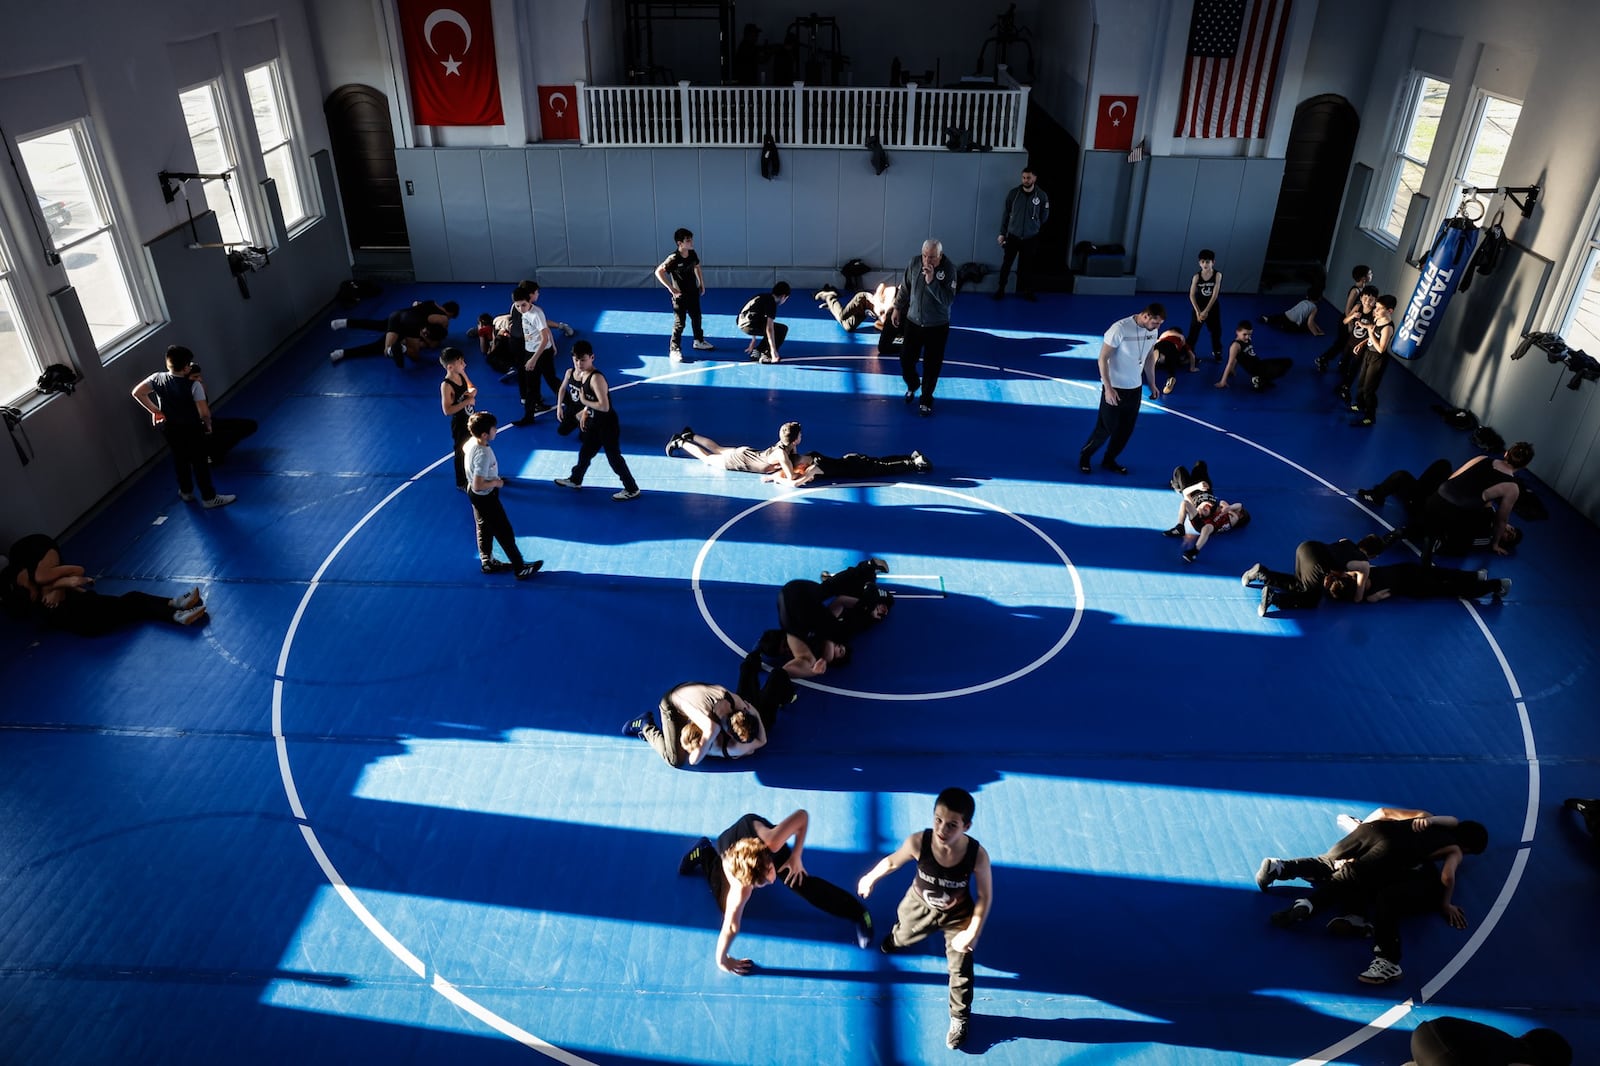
[740,117]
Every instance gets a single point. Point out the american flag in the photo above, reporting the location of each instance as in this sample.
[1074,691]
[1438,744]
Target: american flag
[1234,50]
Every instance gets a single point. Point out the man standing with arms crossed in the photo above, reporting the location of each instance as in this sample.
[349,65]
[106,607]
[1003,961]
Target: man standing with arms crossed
[922,314]
[1027,209]
[1126,354]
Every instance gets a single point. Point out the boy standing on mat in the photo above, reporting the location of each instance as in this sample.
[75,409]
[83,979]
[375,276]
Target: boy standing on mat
[952,891]
[488,513]
[457,394]
[680,273]
[1205,295]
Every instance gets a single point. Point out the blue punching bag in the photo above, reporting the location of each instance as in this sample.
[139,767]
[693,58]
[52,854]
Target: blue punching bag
[1441,272]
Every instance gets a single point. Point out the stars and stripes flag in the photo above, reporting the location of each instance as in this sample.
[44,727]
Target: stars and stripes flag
[1234,50]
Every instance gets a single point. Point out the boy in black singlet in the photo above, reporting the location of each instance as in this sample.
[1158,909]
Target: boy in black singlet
[951,892]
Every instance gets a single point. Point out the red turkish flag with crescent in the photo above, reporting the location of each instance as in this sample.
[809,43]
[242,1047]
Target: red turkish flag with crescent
[450,56]
[558,112]
[1113,129]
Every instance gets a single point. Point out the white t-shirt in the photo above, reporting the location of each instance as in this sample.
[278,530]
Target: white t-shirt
[533,326]
[1130,343]
[1300,312]
[480,462]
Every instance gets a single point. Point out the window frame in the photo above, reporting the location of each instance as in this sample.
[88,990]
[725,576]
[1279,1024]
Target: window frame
[1403,121]
[13,292]
[131,261]
[310,206]
[1467,144]
[247,219]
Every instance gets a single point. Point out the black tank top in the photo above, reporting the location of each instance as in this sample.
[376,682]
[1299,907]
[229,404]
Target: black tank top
[1467,490]
[176,396]
[945,888]
[578,391]
[458,421]
[744,827]
[1205,288]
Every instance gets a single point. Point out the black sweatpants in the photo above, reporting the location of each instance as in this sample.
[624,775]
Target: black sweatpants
[190,460]
[1113,424]
[89,614]
[489,518]
[528,380]
[926,343]
[686,305]
[603,430]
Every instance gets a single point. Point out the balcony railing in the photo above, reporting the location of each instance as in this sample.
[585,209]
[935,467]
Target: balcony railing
[733,116]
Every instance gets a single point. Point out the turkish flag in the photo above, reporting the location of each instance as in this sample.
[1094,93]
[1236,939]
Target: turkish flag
[450,57]
[1113,128]
[558,112]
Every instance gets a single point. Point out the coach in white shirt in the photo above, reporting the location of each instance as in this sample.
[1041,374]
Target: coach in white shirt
[1126,355]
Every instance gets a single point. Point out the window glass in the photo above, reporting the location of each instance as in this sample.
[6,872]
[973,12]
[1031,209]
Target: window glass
[213,153]
[278,150]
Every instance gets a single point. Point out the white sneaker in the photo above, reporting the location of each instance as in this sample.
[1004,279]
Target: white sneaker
[1347,823]
[675,354]
[703,345]
[187,600]
[191,617]
[221,499]
[568,483]
[336,355]
[1505,588]
[957,1033]
[1381,972]
[339,323]
[626,495]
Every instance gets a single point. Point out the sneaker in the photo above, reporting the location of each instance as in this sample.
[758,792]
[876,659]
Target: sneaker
[1113,466]
[193,616]
[1191,554]
[864,931]
[1347,823]
[675,354]
[770,358]
[1262,319]
[626,494]
[957,1035]
[1368,497]
[1175,531]
[635,728]
[879,565]
[1381,972]
[540,407]
[339,323]
[508,377]
[1292,916]
[1364,422]
[1350,926]
[696,856]
[1505,588]
[1258,383]
[568,483]
[1172,383]
[398,354]
[911,393]
[920,462]
[887,946]
[1268,598]
[1083,465]
[186,497]
[703,345]
[1269,871]
[188,600]
[336,355]
[824,576]
[1256,573]
[222,499]
[528,571]
[495,566]
[924,409]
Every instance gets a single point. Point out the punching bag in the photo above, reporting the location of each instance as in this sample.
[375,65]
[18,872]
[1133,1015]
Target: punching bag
[1441,272]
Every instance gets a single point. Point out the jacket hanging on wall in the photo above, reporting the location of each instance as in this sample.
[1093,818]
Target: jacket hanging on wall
[1490,251]
[1451,252]
[770,164]
[880,158]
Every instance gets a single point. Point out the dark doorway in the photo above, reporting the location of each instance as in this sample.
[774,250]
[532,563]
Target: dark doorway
[363,157]
[1315,168]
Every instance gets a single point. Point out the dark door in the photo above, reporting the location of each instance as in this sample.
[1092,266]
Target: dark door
[1315,168]
[363,157]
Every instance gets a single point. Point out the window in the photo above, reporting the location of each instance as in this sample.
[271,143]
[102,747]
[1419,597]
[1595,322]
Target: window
[1493,122]
[277,140]
[1415,131]
[19,360]
[67,180]
[214,154]
[1581,327]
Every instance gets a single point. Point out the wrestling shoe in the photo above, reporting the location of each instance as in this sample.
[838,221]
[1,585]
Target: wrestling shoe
[635,728]
[696,857]
[1175,531]
[528,571]
[911,392]
[1350,926]
[1381,972]
[920,462]
[703,345]
[1191,554]
[1269,871]
[957,1035]
[626,494]
[1258,383]
[925,409]
[879,565]
[186,601]
[191,617]
[1292,916]
[495,566]
[864,931]
[1256,573]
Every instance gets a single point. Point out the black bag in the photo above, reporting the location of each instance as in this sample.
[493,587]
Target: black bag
[58,377]
[353,292]
[880,158]
[770,165]
[853,272]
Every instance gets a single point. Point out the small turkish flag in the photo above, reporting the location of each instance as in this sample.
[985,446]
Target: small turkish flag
[450,59]
[558,112]
[1113,129]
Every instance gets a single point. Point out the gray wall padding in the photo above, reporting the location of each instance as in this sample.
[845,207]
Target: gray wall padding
[1193,203]
[606,216]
